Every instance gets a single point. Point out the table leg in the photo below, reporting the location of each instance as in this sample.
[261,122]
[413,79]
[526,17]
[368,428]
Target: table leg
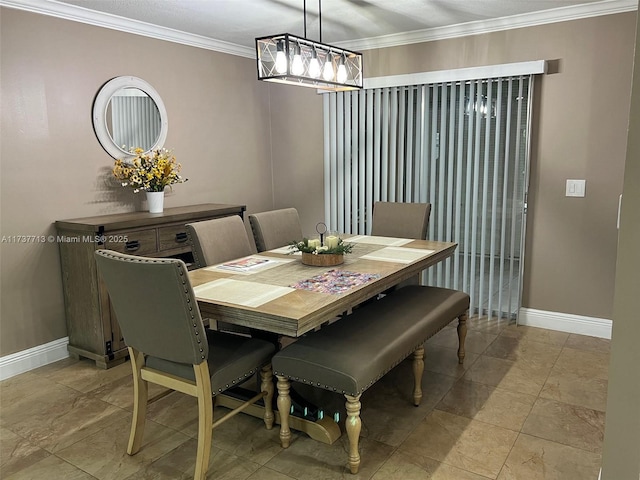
[324,430]
[304,416]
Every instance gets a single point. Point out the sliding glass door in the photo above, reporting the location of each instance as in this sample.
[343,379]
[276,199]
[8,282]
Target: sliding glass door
[463,147]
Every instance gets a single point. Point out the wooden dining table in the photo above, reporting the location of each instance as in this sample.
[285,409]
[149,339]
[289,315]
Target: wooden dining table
[275,292]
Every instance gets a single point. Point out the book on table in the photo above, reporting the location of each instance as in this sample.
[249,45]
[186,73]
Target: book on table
[244,264]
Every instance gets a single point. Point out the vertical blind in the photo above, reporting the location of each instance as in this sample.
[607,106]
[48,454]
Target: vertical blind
[463,147]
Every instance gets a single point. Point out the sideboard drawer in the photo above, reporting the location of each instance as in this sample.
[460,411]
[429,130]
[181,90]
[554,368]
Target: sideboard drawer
[173,237]
[136,242]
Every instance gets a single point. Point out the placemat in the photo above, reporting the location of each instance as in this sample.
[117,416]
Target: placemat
[284,251]
[248,265]
[391,241]
[398,254]
[239,292]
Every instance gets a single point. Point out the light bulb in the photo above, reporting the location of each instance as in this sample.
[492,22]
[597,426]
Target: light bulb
[342,73]
[297,68]
[327,71]
[281,59]
[314,65]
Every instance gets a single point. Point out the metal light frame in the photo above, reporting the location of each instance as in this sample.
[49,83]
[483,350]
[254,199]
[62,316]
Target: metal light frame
[287,58]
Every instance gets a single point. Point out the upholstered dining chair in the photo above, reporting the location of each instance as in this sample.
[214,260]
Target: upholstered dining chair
[401,220]
[275,228]
[169,346]
[218,240]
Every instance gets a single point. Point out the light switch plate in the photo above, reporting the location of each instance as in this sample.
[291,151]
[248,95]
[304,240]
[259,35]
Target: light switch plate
[576,188]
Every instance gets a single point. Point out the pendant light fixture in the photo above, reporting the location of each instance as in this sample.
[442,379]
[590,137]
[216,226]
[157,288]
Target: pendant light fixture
[294,60]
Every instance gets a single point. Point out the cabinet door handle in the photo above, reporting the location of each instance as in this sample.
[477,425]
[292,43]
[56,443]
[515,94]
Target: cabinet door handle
[132,246]
[181,237]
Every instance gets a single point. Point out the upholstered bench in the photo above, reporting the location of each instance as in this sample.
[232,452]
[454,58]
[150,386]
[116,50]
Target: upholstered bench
[350,355]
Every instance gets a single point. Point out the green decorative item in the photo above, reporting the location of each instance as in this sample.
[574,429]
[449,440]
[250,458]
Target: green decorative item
[326,251]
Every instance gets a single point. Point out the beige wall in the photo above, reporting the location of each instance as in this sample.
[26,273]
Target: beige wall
[52,166]
[296,132]
[580,123]
[248,142]
[621,451]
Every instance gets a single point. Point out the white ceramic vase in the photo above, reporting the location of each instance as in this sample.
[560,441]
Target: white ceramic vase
[155,202]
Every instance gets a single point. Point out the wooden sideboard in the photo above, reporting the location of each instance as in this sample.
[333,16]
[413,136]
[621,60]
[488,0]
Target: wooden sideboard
[91,324]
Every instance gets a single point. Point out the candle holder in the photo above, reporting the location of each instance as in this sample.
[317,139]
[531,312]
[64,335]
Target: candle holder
[321,228]
[326,252]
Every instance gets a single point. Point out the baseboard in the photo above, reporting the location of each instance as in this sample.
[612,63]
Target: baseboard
[20,362]
[565,322]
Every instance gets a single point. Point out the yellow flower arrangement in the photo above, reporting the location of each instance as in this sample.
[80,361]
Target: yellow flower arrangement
[150,172]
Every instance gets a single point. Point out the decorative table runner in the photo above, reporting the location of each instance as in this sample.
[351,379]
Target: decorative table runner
[335,281]
[239,292]
[391,241]
[398,254]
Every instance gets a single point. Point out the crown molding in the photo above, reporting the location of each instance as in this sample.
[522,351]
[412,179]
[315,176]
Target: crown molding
[562,14]
[114,22]
[84,15]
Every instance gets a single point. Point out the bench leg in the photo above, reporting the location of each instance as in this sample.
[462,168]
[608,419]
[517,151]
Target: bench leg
[284,408]
[462,335]
[266,375]
[418,370]
[353,425]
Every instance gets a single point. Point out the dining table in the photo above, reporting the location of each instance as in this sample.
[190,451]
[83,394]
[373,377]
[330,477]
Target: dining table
[275,294]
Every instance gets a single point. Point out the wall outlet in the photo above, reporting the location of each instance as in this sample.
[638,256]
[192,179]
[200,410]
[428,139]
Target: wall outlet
[575,188]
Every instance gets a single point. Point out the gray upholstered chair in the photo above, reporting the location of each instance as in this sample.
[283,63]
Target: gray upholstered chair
[169,346]
[275,228]
[401,220]
[218,240]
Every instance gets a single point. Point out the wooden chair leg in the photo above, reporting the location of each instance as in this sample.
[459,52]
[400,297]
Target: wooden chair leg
[462,335]
[266,375]
[284,409]
[205,419]
[418,370]
[140,397]
[353,425]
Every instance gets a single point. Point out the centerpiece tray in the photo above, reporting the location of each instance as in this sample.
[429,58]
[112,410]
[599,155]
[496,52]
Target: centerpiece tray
[322,259]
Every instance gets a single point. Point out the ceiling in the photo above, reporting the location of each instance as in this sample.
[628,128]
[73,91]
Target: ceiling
[234,24]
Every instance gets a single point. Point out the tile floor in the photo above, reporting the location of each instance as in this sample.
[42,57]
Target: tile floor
[527,404]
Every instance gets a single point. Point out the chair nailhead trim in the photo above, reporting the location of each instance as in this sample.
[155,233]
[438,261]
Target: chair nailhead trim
[181,272]
[239,379]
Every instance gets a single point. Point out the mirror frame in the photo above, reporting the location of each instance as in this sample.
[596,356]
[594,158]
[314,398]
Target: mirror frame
[101,103]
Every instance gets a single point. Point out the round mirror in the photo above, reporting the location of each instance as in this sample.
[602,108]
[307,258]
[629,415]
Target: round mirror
[128,113]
